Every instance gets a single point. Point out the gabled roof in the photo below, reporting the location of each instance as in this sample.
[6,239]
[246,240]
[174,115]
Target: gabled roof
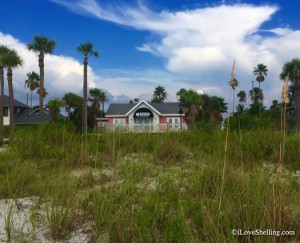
[16,103]
[170,108]
[143,102]
[30,116]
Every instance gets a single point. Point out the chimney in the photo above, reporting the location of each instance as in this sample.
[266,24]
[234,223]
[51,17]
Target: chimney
[136,100]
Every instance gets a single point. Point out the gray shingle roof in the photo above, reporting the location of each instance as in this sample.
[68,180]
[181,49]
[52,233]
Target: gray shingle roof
[31,117]
[16,103]
[163,108]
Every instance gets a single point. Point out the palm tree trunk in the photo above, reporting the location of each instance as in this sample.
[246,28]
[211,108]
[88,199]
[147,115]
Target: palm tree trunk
[1,103]
[11,102]
[84,107]
[103,109]
[31,98]
[41,95]
[259,99]
[297,99]
[233,102]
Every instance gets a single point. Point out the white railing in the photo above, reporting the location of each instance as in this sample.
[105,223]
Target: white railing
[146,127]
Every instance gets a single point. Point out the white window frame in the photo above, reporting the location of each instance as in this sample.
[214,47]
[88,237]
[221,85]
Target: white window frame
[119,121]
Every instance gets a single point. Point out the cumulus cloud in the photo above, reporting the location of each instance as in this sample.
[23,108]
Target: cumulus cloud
[199,45]
[62,74]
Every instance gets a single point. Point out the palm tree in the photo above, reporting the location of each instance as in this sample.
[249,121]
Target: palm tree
[32,83]
[260,71]
[86,49]
[216,107]
[11,60]
[97,99]
[45,92]
[291,69]
[54,107]
[3,50]
[256,94]
[41,45]
[159,95]
[242,98]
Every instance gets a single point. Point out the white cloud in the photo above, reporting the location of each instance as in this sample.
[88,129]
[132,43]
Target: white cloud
[198,45]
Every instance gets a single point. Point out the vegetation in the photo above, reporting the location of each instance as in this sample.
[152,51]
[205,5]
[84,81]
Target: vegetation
[3,51]
[98,97]
[159,95]
[41,45]
[11,60]
[32,83]
[54,106]
[154,188]
[260,71]
[291,70]
[193,186]
[86,49]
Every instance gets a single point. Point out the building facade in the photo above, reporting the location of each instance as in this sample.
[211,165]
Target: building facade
[146,117]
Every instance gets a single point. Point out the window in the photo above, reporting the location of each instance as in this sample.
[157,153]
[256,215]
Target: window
[119,122]
[5,111]
[173,123]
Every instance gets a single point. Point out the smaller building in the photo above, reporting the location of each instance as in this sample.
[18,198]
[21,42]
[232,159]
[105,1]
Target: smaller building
[146,117]
[23,114]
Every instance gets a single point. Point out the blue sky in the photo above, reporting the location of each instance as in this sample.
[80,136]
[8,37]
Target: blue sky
[145,43]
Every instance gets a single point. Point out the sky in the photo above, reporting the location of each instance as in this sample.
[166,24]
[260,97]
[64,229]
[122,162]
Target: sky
[145,43]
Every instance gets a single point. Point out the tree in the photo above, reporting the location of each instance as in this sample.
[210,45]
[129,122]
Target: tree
[260,72]
[73,103]
[242,96]
[45,92]
[41,45]
[256,94]
[3,51]
[32,83]
[159,95]
[291,70]
[216,107]
[190,100]
[54,106]
[86,49]
[242,99]
[11,60]
[97,98]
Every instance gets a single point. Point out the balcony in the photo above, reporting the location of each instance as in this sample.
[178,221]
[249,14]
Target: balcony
[144,128]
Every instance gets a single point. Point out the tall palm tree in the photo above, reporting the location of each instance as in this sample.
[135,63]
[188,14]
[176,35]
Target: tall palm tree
[291,69]
[32,83]
[3,50]
[159,95]
[260,72]
[11,60]
[87,50]
[41,45]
